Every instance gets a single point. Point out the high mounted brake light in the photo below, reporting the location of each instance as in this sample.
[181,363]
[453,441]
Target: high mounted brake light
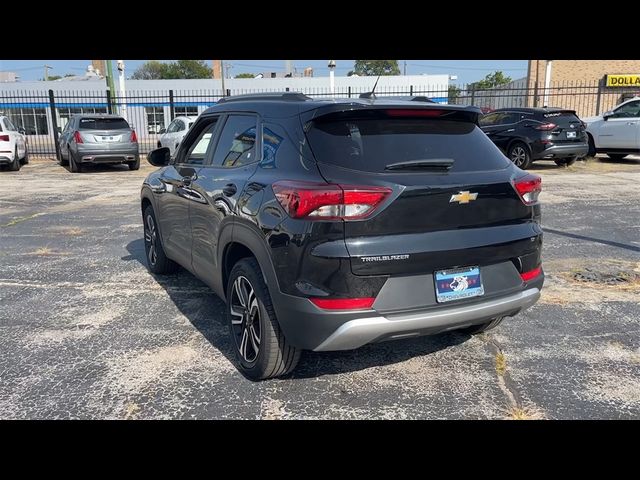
[322,201]
[414,112]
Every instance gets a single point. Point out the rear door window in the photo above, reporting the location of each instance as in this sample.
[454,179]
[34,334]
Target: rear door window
[103,124]
[371,144]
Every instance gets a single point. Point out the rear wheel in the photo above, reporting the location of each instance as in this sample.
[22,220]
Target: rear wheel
[15,165]
[261,349]
[565,162]
[74,167]
[483,327]
[519,154]
[592,147]
[25,159]
[61,160]
[157,260]
[135,165]
[616,157]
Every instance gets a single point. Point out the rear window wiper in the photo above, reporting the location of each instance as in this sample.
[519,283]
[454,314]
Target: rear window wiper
[431,164]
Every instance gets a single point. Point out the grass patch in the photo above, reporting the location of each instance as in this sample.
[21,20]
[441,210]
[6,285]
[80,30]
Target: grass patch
[74,231]
[501,363]
[17,220]
[520,413]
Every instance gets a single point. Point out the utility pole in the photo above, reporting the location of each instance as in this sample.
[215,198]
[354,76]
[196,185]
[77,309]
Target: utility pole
[46,72]
[224,92]
[122,95]
[405,68]
[110,85]
[332,80]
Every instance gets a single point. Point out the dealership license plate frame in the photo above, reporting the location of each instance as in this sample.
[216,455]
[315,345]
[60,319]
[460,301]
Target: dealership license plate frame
[445,278]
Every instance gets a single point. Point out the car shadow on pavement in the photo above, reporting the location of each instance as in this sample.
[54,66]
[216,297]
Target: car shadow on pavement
[206,312]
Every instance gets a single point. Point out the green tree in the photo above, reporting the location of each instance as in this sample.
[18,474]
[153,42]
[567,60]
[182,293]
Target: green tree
[454,93]
[245,75]
[58,77]
[492,80]
[376,67]
[155,70]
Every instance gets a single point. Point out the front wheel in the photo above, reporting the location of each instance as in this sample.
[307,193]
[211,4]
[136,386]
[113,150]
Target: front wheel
[565,162]
[592,147]
[616,157]
[261,349]
[520,155]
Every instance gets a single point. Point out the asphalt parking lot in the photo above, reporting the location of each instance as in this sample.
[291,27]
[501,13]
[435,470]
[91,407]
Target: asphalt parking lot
[86,332]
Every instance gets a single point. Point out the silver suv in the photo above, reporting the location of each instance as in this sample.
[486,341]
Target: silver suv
[98,139]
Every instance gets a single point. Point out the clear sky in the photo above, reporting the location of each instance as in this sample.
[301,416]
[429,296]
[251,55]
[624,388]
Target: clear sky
[466,70]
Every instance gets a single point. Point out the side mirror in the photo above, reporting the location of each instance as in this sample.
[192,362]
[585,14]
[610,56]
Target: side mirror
[162,130]
[159,157]
[22,130]
[607,114]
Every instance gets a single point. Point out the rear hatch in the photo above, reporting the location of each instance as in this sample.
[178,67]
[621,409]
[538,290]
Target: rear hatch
[452,204]
[106,132]
[565,126]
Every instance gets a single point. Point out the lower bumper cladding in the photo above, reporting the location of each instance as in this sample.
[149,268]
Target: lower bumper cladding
[356,333]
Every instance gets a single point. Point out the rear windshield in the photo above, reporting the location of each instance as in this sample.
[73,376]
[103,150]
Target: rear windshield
[561,118]
[371,144]
[103,124]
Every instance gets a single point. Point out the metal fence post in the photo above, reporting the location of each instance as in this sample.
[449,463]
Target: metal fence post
[411,90]
[228,93]
[109,105]
[535,94]
[349,91]
[473,96]
[54,122]
[599,97]
[172,109]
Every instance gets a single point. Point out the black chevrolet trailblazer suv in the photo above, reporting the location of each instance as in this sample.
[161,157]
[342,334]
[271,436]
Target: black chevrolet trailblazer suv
[328,224]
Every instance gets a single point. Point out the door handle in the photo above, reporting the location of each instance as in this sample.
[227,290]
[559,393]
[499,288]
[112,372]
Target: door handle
[229,190]
[186,181]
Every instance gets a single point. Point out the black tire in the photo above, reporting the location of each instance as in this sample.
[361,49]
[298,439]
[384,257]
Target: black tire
[61,160]
[274,356]
[520,155]
[157,260]
[616,157]
[483,327]
[592,147]
[565,162]
[74,167]
[159,145]
[15,165]
[25,159]
[135,165]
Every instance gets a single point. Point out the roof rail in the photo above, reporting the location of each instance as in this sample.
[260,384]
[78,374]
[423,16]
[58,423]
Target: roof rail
[420,98]
[286,96]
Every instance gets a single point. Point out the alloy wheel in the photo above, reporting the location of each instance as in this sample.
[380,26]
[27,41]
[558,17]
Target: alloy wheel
[151,239]
[245,319]
[518,155]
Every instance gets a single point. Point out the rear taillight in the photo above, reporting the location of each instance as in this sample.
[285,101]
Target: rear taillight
[528,187]
[77,137]
[343,303]
[134,137]
[322,201]
[545,126]
[4,138]
[531,274]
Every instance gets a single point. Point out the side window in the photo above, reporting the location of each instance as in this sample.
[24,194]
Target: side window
[179,125]
[196,152]
[172,127]
[509,118]
[488,120]
[271,142]
[9,126]
[630,110]
[237,145]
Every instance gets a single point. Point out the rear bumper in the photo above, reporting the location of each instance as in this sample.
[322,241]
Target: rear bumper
[563,151]
[4,160]
[108,157]
[355,333]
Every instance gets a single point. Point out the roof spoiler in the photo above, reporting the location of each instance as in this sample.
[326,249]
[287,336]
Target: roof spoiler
[287,96]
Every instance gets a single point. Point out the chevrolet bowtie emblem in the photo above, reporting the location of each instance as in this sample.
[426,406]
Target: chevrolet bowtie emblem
[463,197]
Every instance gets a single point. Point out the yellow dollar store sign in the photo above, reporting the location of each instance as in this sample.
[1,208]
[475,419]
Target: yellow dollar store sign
[623,81]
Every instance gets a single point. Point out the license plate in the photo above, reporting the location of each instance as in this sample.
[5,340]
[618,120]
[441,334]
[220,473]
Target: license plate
[459,283]
[571,134]
[110,138]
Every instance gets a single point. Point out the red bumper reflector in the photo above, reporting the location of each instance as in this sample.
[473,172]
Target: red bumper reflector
[531,274]
[343,303]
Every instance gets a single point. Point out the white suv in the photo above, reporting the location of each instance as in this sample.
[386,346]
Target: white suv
[13,145]
[616,132]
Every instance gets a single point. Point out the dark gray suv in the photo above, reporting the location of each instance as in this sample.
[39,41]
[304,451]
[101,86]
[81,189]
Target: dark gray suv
[98,139]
